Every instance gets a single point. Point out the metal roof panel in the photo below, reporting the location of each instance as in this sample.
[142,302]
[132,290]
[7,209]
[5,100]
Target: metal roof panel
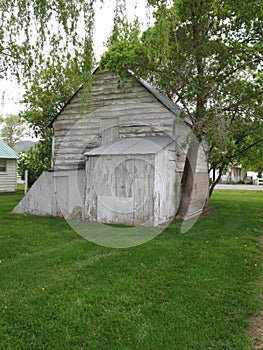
[135,145]
[6,152]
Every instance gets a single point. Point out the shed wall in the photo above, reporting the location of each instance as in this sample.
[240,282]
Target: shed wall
[8,179]
[166,185]
[128,112]
[57,193]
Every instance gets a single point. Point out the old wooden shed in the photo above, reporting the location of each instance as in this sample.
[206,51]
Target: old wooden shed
[124,150]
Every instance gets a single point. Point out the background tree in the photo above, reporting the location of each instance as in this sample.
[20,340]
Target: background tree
[253,160]
[13,129]
[206,56]
[44,97]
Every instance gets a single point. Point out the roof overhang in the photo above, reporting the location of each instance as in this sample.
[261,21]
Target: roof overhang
[132,146]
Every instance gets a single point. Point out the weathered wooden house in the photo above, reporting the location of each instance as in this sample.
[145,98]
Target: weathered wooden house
[117,159]
[8,168]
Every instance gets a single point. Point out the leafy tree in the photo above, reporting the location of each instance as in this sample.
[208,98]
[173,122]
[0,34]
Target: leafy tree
[206,56]
[13,129]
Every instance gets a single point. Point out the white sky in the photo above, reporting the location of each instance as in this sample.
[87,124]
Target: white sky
[11,93]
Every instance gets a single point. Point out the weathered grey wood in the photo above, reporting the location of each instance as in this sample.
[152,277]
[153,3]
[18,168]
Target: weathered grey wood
[138,112]
[109,129]
[132,189]
[8,179]
[166,185]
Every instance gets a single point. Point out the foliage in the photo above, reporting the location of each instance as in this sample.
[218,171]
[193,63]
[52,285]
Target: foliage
[253,160]
[206,56]
[38,31]
[191,291]
[48,45]
[36,160]
[13,129]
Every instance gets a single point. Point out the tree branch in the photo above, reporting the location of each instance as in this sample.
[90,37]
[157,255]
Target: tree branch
[233,106]
[248,147]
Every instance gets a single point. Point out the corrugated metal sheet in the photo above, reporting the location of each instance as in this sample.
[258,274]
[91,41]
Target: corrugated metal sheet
[7,152]
[146,145]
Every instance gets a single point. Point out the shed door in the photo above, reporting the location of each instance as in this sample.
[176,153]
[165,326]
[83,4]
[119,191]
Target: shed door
[109,128]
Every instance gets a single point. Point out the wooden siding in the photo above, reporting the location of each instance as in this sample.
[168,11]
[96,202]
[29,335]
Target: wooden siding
[119,189]
[138,111]
[166,185]
[8,179]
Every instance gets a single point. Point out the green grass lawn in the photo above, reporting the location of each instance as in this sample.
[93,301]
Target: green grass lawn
[178,292]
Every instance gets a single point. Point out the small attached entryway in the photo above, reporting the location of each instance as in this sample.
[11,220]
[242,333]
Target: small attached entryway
[131,181]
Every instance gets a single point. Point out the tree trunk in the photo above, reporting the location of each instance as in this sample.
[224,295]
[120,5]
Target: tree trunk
[215,182]
[187,183]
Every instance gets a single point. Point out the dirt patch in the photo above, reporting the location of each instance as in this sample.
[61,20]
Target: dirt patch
[256,325]
[208,210]
[256,330]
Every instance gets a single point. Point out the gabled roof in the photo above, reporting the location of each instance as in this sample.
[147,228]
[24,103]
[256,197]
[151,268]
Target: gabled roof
[134,145]
[166,102]
[169,104]
[6,152]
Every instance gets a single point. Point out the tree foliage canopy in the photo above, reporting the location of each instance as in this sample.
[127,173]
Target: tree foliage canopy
[38,31]
[48,45]
[206,55]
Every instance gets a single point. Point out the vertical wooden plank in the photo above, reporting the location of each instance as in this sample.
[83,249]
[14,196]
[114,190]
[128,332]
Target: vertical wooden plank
[109,128]
[90,202]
